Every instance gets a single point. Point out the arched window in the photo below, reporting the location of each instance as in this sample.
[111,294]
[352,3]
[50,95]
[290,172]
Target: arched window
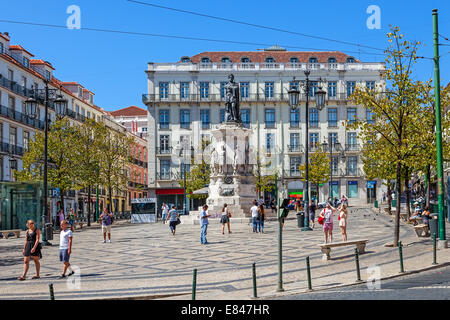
[270,60]
[185,59]
[350,60]
[293,60]
[205,60]
[225,60]
[332,60]
[313,60]
[245,60]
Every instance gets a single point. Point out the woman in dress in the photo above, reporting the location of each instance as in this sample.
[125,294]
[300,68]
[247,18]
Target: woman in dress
[261,217]
[225,219]
[343,221]
[32,248]
[327,215]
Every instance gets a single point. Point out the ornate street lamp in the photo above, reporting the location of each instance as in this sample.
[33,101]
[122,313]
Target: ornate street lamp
[60,106]
[31,108]
[320,103]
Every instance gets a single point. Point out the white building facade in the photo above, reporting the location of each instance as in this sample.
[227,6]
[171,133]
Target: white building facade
[186,99]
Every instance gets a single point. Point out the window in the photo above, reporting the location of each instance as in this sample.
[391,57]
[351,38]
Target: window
[313,117]
[352,189]
[205,60]
[245,117]
[293,85]
[185,168]
[164,167]
[88,114]
[80,92]
[184,90]
[334,166]
[11,74]
[225,60]
[83,112]
[164,119]
[351,115]
[164,144]
[295,118]
[332,60]
[77,109]
[293,60]
[244,89]
[222,115]
[164,90]
[245,60]
[295,163]
[352,165]
[91,99]
[351,141]
[185,118]
[270,118]
[313,88]
[294,145]
[350,60]
[370,85]
[370,116]
[269,90]
[332,89]
[1,51]
[332,117]
[222,90]
[332,139]
[204,116]
[11,103]
[270,142]
[13,136]
[313,140]
[204,90]
[26,62]
[270,60]
[312,62]
[185,59]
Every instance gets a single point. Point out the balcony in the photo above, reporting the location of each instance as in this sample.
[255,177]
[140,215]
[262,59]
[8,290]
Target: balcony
[166,151]
[11,149]
[295,148]
[352,147]
[167,176]
[352,172]
[22,118]
[136,185]
[293,174]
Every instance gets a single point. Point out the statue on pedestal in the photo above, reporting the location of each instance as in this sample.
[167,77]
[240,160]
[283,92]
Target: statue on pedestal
[232,112]
[214,162]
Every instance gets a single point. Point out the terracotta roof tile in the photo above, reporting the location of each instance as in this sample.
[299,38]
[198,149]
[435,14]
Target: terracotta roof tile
[18,47]
[129,112]
[39,61]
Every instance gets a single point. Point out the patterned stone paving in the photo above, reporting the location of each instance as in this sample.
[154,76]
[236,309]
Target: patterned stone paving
[146,260]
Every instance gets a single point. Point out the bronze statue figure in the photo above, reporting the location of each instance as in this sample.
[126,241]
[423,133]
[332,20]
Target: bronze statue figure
[232,112]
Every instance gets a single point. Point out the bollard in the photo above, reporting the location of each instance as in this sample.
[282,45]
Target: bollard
[434,249]
[400,251]
[308,273]
[358,272]
[52,296]
[254,280]
[194,284]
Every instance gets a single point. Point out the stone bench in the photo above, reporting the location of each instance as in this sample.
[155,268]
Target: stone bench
[6,233]
[326,247]
[422,230]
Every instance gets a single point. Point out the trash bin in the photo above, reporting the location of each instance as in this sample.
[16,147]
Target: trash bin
[376,203]
[49,231]
[433,224]
[301,219]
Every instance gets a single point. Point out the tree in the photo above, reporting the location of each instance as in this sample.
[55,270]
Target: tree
[89,137]
[264,182]
[395,111]
[114,162]
[318,168]
[61,158]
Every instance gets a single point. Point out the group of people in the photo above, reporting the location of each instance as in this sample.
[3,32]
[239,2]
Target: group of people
[258,216]
[418,213]
[32,247]
[70,217]
[326,218]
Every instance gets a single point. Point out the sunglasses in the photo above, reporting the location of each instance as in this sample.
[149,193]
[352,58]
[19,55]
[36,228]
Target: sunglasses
[31,223]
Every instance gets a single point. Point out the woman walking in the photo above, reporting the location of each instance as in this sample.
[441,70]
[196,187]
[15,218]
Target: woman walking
[173,219]
[327,216]
[312,213]
[225,219]
[32,248]
[261,217]
[343,221]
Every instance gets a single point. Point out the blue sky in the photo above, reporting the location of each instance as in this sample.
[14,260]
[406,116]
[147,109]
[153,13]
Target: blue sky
[113,65]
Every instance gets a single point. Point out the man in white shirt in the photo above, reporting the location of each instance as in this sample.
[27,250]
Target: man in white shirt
[65,248]
[254,212]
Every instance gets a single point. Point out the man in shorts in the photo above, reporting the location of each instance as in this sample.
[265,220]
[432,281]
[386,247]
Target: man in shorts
[65,248]
[106,217]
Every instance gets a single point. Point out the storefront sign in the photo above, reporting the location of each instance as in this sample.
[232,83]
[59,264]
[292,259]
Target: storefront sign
[371,184]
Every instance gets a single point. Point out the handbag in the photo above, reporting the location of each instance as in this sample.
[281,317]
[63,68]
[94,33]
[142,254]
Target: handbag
[178,221]
[320,220]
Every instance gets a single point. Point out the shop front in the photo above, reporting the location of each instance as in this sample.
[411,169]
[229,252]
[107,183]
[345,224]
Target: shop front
[170,197]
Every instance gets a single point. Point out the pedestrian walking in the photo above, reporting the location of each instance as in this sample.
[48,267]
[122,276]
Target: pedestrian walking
[65,248]
[173,218]
[106,218]
[273,206]
[165,212]
[71,214]
[31,249]
[61,216]
[225,219]
[327,216]
[204,215]
[343,221]
[312,212]
[254,213]
[261,218]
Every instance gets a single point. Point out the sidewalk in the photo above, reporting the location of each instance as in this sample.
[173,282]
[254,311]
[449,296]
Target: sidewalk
[147,261]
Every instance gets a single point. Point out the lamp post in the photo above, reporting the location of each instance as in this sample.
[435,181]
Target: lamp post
[44,97]
[332,144]
[294,102]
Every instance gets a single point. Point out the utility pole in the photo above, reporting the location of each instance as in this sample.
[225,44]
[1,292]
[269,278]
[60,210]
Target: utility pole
[437,101]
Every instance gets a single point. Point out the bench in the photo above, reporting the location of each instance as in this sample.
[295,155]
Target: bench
[326,247]
[6,233]
[422,230]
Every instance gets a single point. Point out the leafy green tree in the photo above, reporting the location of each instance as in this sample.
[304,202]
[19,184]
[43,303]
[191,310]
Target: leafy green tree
[61,158]
[318,167]
[264,182]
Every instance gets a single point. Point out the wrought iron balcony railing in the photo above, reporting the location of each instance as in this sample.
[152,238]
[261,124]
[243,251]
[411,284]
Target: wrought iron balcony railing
[164,151]
[294,148]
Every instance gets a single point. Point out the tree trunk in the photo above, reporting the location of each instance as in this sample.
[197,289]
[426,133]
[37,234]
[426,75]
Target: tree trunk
[407,192]
[110,207]
[389,197]
[61,201]
[428,193]
[89,207]
[397,212]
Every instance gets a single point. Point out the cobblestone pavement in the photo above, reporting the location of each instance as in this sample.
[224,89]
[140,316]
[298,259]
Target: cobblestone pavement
[147,261]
